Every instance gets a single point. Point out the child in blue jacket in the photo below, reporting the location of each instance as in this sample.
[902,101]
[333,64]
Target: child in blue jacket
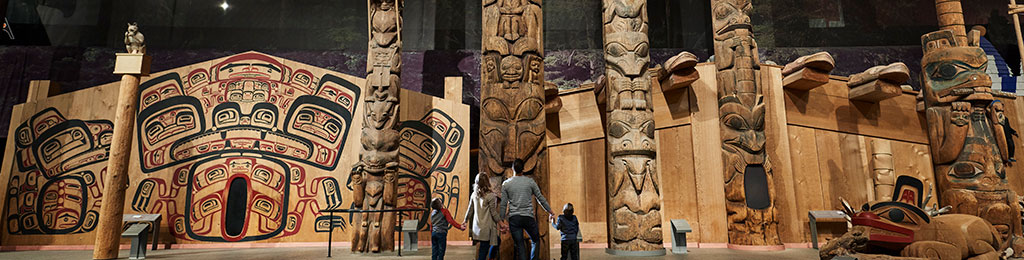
[570,228]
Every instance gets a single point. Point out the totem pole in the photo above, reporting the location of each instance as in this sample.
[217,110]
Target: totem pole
[634,203]
[748,175]
[968,145]
[375,176]
[512,91]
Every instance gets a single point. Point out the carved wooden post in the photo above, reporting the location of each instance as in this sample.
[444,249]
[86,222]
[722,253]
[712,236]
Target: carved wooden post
[375,176]
[512,90]
[634,201]
[965,127]
[132,66]
[749,191]
[1014,11]
[882,165]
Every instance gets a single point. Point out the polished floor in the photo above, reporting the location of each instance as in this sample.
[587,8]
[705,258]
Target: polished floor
[454,252]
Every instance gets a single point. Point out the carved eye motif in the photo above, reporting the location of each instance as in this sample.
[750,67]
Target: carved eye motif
[735,121]
[616,49]
[529,110]
[642,49]
[722,11]
[966,170]
[496,111]
[618,129]
[947,71]
[898,216]
[648,129]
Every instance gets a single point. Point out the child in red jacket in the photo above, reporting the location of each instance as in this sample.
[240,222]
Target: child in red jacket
[440,222]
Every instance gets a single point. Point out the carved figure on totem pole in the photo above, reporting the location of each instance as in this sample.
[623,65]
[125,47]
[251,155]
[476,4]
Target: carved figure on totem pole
[134,42]
[512,105]
[512,67]
[968,143]
[749,191]
[902,227]
[634,203]
[375,176]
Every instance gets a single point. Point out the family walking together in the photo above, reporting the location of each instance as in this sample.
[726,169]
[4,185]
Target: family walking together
[510,209]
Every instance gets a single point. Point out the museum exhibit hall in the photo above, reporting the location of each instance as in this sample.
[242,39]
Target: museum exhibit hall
[511,129]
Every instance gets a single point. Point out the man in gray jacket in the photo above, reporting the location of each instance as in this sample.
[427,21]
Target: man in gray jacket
[517,195]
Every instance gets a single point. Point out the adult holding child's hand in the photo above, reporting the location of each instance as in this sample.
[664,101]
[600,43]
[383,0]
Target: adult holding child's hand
[517,194]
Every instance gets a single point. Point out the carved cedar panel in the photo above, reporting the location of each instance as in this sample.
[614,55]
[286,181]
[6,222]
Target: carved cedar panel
[748,175]
[239,149]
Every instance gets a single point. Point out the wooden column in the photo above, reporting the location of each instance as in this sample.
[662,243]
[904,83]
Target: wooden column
[378,161]
[749,186]
[512,118]
[1014,11]
[634,196]
[108,232]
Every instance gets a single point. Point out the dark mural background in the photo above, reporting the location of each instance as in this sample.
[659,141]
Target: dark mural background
[73,42]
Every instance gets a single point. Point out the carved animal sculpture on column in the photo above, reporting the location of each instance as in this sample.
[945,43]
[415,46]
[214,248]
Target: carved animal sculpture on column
[134,42]
[901,227]
[749,191]
[634,203]
[968,145]
[375,176]
[512,106]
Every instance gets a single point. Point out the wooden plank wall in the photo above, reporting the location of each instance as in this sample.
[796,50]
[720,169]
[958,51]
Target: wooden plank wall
[824,149]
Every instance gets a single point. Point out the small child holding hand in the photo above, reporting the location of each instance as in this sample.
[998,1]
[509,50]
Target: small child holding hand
[570,229]
[440,222]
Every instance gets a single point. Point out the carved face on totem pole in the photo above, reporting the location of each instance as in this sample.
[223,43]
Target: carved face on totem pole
[512,109]
[627,56]
[634,203]
[374,178]
[741,107]
[968,142]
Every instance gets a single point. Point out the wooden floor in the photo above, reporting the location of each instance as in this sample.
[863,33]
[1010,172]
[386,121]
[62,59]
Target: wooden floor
[454,252]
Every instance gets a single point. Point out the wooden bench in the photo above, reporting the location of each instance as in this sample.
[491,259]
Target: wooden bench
[138,232]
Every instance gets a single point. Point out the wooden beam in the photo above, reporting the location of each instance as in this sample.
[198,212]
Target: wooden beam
[875,90]
[805,79]
[453,89]
[41,89]
[707,143]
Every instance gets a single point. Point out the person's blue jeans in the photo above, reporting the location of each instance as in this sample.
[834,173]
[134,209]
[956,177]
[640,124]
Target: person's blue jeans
[438,244]
[487,250]
[517,224]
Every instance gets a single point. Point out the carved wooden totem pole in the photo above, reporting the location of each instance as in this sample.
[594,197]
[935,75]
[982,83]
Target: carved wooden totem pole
[749,191]
[634,201]
[375,176]
[512,92]
[968,146]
